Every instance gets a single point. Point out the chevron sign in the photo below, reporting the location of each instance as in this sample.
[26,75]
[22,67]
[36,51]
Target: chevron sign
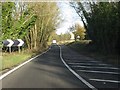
[10,43]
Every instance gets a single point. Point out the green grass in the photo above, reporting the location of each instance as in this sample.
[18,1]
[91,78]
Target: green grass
[13,59]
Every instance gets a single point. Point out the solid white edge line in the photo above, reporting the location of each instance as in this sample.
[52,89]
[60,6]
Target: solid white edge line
[78,76]
[19,66]
[101,80]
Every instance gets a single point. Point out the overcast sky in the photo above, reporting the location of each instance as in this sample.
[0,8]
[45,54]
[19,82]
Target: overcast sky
[68,15]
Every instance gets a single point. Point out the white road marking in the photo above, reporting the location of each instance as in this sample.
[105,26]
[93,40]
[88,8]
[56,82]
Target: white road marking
[101,80]
[93,61]
[86,61]
[97,67]
[98,72]
[14,69]
[78,76]
[88,64]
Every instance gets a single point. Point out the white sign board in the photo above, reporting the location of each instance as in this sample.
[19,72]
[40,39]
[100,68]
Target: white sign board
[10,42]
[21,42]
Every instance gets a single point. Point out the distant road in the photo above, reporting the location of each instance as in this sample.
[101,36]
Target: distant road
[48,71]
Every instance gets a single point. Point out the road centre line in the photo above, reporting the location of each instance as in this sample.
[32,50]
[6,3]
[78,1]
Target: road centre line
[19,66]
[98,72]
[101,80]
[97,67]
[78,76]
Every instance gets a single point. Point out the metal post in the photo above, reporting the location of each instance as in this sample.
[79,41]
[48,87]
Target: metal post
[19,49]
[10,49]
[22,49]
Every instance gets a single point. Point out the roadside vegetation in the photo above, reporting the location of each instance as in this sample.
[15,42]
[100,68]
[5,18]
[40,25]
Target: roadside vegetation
[102,22]
[84,48]
[33,22]
[10,61]
[61,39]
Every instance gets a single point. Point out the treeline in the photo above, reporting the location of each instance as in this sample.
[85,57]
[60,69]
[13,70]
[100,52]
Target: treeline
[61,37]
[32,22]
[102,23]
[78,31]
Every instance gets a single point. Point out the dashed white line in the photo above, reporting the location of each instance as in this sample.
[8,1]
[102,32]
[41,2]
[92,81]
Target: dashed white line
[86,61]
[88,64]
[98,72]
[14,69]
[97,67]
[78,76]
[101,80]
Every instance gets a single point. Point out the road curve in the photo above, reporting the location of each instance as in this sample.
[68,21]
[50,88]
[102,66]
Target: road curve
[45,71]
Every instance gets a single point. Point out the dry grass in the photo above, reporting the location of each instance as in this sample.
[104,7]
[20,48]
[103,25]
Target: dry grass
[82,47]
[13,59]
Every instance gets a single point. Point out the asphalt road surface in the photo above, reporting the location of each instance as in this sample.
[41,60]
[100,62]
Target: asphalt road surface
[97,73]
[48,71]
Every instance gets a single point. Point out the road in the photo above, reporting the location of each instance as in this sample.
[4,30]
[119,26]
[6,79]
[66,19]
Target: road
[48,71]
[97,73]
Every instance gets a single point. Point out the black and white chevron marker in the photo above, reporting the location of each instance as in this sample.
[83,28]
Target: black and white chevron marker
[10,43]
[21,42]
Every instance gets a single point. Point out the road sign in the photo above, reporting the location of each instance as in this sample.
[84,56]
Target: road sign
[10,42]
[16,42]
[21,42]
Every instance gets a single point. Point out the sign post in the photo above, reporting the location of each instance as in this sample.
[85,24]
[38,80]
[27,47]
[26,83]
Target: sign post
[21,42]
[10,49]
[10,44]
[19,49]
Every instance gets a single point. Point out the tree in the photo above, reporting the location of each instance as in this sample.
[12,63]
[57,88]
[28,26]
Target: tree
[80,31]
[61,37]
[7,19]
[32,22]
[102,22]
[14,24]
[45,24]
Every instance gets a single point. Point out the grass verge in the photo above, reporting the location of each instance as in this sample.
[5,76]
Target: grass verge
[14,59]
[83,48]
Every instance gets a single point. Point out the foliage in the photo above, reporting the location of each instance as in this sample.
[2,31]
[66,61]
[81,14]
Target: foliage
[61,37]
[102,23]
[32,22]
[7,18]
[47,16]
[13,28]
[79,31]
